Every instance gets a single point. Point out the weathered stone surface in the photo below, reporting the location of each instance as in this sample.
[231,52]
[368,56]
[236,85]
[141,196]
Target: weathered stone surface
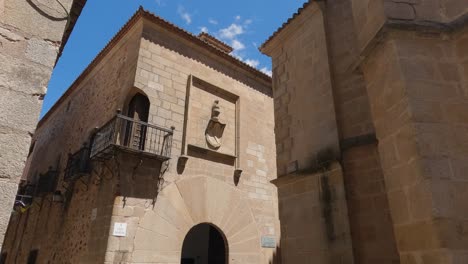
[45,19]
[13,154]
[42,52]
[19,111]
[30,33]
[18,75]
[399,10]
[7,192]
[160,213]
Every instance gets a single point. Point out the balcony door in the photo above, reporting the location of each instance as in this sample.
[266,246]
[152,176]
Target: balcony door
[138,110]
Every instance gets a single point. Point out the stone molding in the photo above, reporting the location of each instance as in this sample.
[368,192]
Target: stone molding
[431,28]
[193,201]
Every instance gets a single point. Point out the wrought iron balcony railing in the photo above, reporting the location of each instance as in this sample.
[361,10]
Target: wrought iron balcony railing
[78,164]
[126,134]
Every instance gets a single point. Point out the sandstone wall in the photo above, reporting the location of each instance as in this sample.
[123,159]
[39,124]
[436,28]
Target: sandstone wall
[304,107]
[65,236]
[204,190]
[159,209]
[314,218]
[417,90]
[370,222]
[30,36]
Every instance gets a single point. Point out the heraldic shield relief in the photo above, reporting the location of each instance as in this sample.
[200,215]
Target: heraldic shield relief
[215,129]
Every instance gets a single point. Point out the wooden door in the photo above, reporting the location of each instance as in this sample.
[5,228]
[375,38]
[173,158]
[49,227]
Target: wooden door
[138,110]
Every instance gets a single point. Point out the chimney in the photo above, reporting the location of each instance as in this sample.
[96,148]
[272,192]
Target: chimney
[207,38]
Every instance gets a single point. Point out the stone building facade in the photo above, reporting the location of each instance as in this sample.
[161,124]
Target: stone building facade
[162,151]
[371,100]
[32,34]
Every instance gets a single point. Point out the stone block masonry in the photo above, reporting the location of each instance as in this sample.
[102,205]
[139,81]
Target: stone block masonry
[398,81]
[30,40]
[160,202]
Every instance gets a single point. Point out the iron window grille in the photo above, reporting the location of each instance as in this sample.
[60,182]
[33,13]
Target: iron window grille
[25,195]
[78,164]
[134,136]
[47,182]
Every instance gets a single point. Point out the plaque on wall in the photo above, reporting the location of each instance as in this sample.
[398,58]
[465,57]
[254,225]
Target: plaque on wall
[268,242]
[120,230]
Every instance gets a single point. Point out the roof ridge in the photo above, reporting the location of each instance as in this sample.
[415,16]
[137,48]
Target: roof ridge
[283,26]
[141,12]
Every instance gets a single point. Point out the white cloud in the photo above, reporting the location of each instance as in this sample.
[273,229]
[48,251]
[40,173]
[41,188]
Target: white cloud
[237,45]
[248,21]
[238,17]
[204,29]
[231,32]
[186,16]
[266,71]
[212,21]
[252,63]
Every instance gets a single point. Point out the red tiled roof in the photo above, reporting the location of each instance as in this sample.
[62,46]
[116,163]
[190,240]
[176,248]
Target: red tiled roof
[285,24]
[215,42]
[141,13]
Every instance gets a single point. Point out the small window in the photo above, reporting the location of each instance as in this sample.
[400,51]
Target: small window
[32,258]
[68,106]
[3,258]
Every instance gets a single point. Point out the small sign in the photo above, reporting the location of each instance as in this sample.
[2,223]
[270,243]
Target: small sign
[268,242]
[93,214]
[120,229]
[292,167]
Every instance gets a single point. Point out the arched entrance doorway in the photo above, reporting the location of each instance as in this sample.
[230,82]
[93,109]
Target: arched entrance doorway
[204,244]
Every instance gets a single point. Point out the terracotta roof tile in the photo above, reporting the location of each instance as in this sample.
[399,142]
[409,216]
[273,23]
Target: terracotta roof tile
[141,13]
[285,24]
[215,42]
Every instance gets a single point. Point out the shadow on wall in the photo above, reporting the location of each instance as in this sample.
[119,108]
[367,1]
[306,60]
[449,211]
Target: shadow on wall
[77,230]
[136,177]
[276,259]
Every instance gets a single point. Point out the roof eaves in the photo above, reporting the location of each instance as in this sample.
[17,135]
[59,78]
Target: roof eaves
[285,24]
[141,13]
[195,39]
[125,28]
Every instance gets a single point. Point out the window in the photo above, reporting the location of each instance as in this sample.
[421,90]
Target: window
[32,258]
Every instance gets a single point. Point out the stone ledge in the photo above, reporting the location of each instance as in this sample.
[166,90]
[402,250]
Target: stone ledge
[357,141]
[204,153]
[426,27]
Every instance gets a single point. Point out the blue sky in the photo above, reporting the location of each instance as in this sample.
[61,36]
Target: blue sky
[243,24]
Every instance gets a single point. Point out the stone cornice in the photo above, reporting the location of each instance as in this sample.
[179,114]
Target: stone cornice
[140,16]
[422,27]
[301,175]
[429,26]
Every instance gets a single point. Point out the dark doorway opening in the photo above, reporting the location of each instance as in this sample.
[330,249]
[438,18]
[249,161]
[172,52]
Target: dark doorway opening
[3,258]
[138,110]
[32,258]
[204,244]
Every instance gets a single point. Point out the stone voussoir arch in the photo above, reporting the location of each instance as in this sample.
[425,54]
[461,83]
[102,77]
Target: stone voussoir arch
[191,201]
